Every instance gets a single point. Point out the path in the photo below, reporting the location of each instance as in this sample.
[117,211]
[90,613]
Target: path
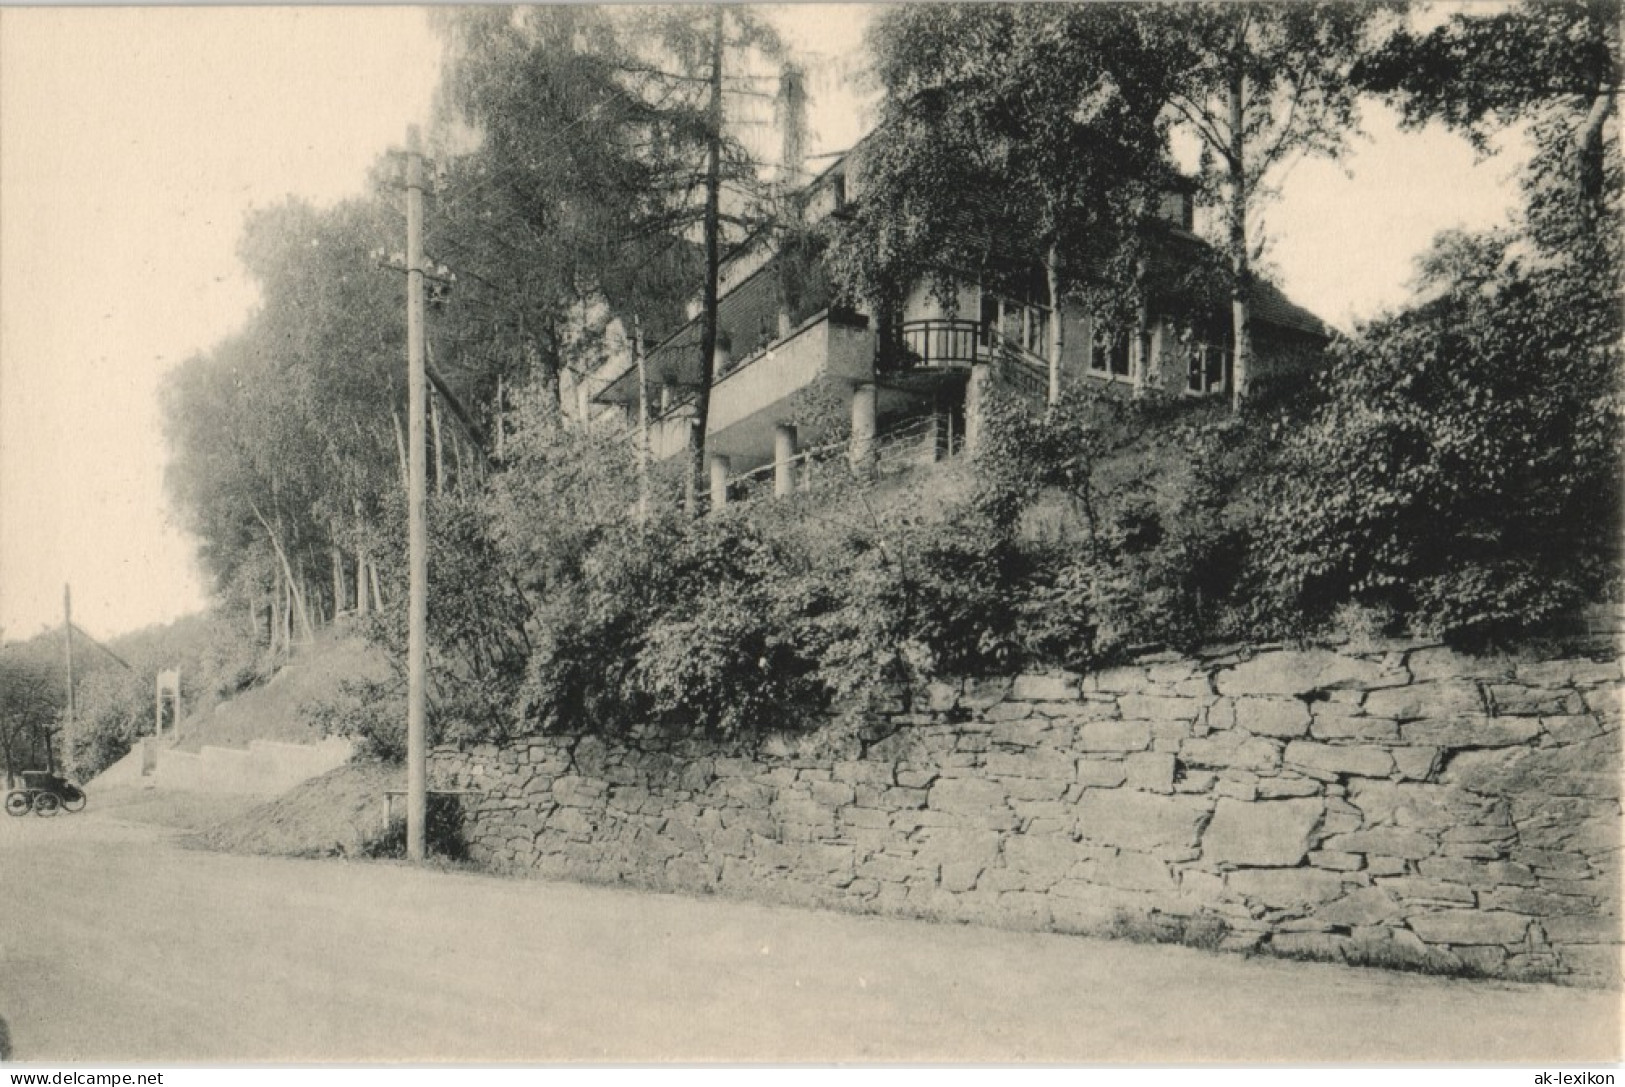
[116,944]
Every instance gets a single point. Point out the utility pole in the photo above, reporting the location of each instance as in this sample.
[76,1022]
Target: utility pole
[67,638]
[417,529]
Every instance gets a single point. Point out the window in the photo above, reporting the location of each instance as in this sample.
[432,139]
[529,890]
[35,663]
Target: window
[1110,357]
[1176,208]
[1023,325]
[1209,369]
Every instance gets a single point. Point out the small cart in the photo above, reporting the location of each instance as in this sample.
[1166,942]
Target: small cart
[44,794]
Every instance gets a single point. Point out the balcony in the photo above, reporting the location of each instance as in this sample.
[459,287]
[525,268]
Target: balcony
[943,343]
[754,394]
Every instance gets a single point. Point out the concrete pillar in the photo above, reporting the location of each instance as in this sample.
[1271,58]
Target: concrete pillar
[862,451]
[784,459]
[719,480]
[975,396]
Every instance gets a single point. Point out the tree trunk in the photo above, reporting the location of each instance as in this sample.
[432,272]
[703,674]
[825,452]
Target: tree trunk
[643,419]
[400,452]
[276,615]
[457,462]
[498,446]
[338,581]
[1240,265]
[545,371]
[439,448]
[377,592]
[1140,355]
[1057,320]
[697,468]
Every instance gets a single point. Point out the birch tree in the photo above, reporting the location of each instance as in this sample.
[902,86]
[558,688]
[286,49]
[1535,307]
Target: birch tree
[1261,85]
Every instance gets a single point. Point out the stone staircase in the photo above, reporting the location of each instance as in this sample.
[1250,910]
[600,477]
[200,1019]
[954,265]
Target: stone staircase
[263,768]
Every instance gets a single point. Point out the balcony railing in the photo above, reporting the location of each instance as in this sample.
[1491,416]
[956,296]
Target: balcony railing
[943,342]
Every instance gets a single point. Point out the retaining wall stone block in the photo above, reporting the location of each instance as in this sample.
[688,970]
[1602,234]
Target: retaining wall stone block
[1384,841]
[1539,902]
[1272,832]
[1037,763]
[1130,871]
[1138,820]
[1415,889]
[1292,672]
[1050,687]
[1114,736]
[1477,873]
[1101,773]
[1517,700]
[1354,759]
[1470,927]
[1286,888]
[1287,785]
[1122,680]
[1470,731]
[1280,717]
[1438,699]
[1152,771]
[1363,906]
[967,794]
[1150,707]
[954,845]
[1333,722]
[1231,749]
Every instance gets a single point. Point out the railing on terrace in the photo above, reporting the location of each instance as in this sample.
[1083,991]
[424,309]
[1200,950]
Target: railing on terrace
[943,342]
[917,442]
[1022,371]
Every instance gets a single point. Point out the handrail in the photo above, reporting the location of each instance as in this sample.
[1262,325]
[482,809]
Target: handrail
[936,341]
[1019,368]
[884,457]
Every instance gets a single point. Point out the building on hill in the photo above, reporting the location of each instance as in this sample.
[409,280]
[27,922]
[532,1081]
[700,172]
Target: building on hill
[798,377]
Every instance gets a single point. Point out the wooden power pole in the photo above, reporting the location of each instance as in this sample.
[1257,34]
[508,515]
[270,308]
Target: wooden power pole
[417,529]
[67,638]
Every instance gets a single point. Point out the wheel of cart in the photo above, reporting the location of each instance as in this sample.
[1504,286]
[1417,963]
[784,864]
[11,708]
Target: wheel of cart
[46,804]
[19,802]
[73,798]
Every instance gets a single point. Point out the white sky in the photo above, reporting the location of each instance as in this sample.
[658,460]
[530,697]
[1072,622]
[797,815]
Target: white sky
[133,141]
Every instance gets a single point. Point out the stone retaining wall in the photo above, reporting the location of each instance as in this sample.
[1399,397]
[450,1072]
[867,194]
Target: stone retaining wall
[1404,805]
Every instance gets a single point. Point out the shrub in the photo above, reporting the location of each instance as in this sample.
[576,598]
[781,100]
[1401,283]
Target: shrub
[1463,473]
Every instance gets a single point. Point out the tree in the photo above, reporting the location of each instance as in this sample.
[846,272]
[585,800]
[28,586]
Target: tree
[554,216]
[1261,84]
[32,696]
[718,48]
[1554,65]
[558,205]
[1008,131]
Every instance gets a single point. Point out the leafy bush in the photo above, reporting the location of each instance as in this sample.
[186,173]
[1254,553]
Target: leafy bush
[1144,528]
[1463,474]
[370,713]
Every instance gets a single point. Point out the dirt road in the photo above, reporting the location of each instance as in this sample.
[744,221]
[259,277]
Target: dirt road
[115,944]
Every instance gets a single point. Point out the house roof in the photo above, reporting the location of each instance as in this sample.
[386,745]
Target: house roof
[748,311]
